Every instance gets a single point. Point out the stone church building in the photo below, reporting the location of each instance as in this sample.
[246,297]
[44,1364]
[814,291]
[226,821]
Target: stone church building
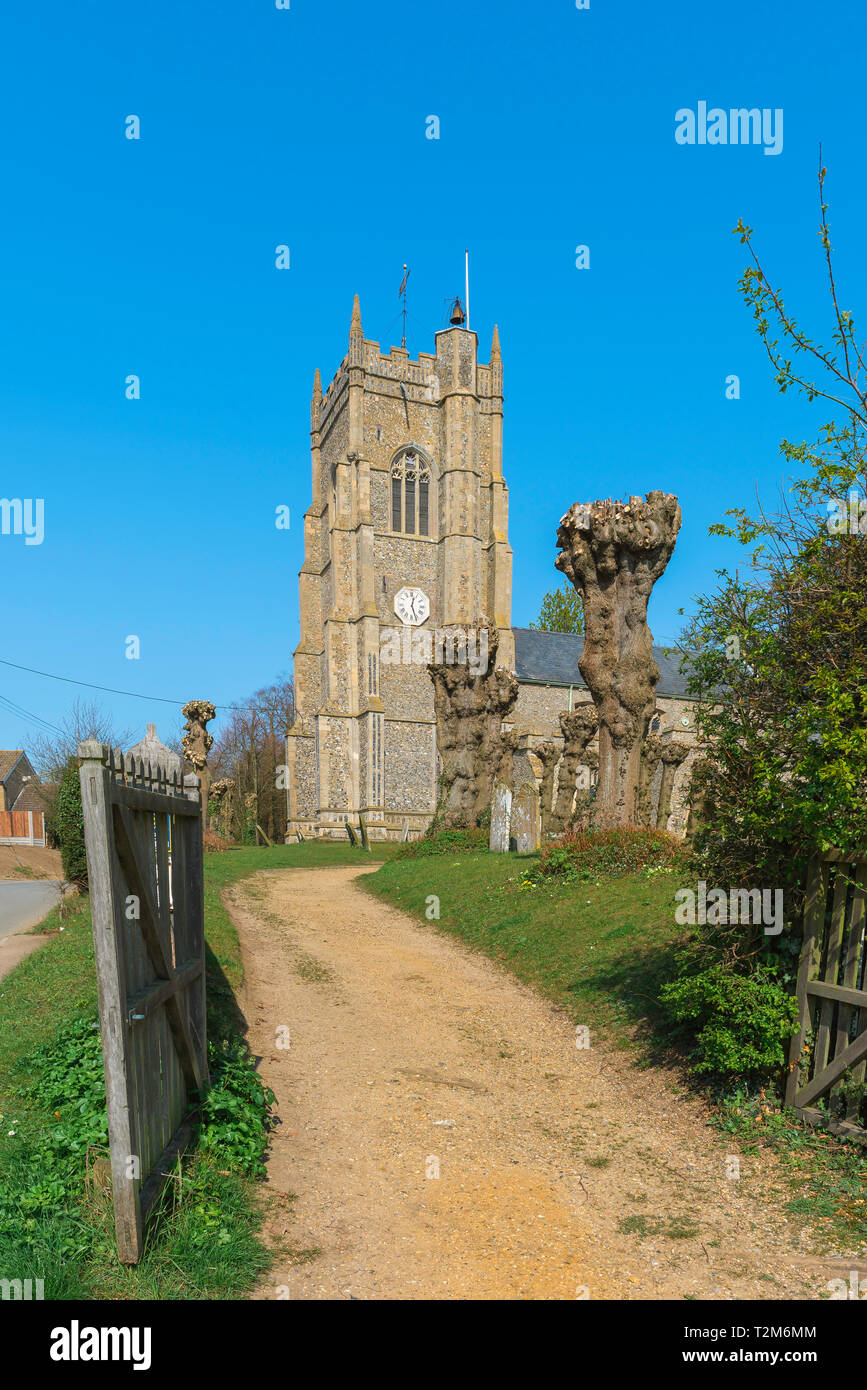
[407,535]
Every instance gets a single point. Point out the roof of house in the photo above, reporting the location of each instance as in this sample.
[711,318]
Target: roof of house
[8,759]
[551,658]
[32,797]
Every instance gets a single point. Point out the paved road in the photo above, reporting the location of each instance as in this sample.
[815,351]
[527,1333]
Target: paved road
[24,904]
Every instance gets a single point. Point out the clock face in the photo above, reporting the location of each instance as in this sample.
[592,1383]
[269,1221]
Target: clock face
[412,606]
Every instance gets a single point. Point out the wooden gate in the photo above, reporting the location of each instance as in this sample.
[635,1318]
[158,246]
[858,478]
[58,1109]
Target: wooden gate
[828,1056]
[143,832]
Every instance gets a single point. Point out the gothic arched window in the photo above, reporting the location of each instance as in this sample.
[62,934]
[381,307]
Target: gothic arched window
[410,494]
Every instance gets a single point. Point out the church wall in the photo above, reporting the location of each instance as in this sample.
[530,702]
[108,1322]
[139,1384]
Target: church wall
[410,780]
[335,751]
[406,691]
[537,709]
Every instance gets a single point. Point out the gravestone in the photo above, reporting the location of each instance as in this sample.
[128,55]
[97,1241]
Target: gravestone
[525,819]
[501,810]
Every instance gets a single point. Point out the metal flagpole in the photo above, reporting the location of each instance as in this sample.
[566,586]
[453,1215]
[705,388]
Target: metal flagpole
[467,284]
[402,292]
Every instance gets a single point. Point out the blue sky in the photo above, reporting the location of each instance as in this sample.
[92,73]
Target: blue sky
[306,127]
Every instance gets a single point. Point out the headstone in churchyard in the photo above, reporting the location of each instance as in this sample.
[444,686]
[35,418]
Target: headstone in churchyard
[525,819]
[501,810]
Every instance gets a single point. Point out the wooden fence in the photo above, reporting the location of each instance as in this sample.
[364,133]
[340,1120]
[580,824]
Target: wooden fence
[22,828]
[828,1056]
[143,832]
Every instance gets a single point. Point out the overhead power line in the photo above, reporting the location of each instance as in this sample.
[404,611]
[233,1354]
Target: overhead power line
[158,699]
[29,718]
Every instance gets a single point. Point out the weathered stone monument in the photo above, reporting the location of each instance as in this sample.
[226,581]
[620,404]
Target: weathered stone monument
[152,751]
[613,553]
[501,813]
[525,819]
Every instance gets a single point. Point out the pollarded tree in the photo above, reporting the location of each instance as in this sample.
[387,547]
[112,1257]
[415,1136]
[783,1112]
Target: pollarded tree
[614,552]
[470,705]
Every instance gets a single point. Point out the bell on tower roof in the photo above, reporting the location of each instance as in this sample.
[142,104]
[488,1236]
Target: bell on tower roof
[458,317]
[355,325]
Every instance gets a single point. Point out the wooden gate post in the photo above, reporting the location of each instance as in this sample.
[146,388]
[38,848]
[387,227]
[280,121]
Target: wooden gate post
[106,910]
[148,931]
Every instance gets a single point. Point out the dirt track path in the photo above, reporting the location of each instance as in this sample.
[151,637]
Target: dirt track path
[409,1056]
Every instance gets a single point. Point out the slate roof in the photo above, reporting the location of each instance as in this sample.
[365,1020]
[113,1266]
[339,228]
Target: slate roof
[8,759]
[551,658]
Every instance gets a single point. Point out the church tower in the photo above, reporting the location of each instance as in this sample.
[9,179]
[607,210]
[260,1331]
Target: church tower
[408,528]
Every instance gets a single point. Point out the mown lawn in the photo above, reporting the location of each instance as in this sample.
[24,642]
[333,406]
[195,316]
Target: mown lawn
[600,950]
[51,1226]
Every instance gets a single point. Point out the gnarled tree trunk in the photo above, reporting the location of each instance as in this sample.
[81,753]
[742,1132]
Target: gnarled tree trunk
[578,728]
[651,756]
[549,756]
[614,552]
[673,754]
[470,707]
[701,772]
[197,744]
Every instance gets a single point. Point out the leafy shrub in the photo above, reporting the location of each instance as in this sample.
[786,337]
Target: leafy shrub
[68,826]
[472,841]
[44,1177]
[585,854]
[739,1025]
[212,843]
[42,1185]
[236,1109]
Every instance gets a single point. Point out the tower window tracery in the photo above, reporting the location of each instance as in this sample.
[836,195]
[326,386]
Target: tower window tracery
[410,494]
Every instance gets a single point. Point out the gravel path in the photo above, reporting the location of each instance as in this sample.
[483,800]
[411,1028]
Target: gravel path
[444,1137]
